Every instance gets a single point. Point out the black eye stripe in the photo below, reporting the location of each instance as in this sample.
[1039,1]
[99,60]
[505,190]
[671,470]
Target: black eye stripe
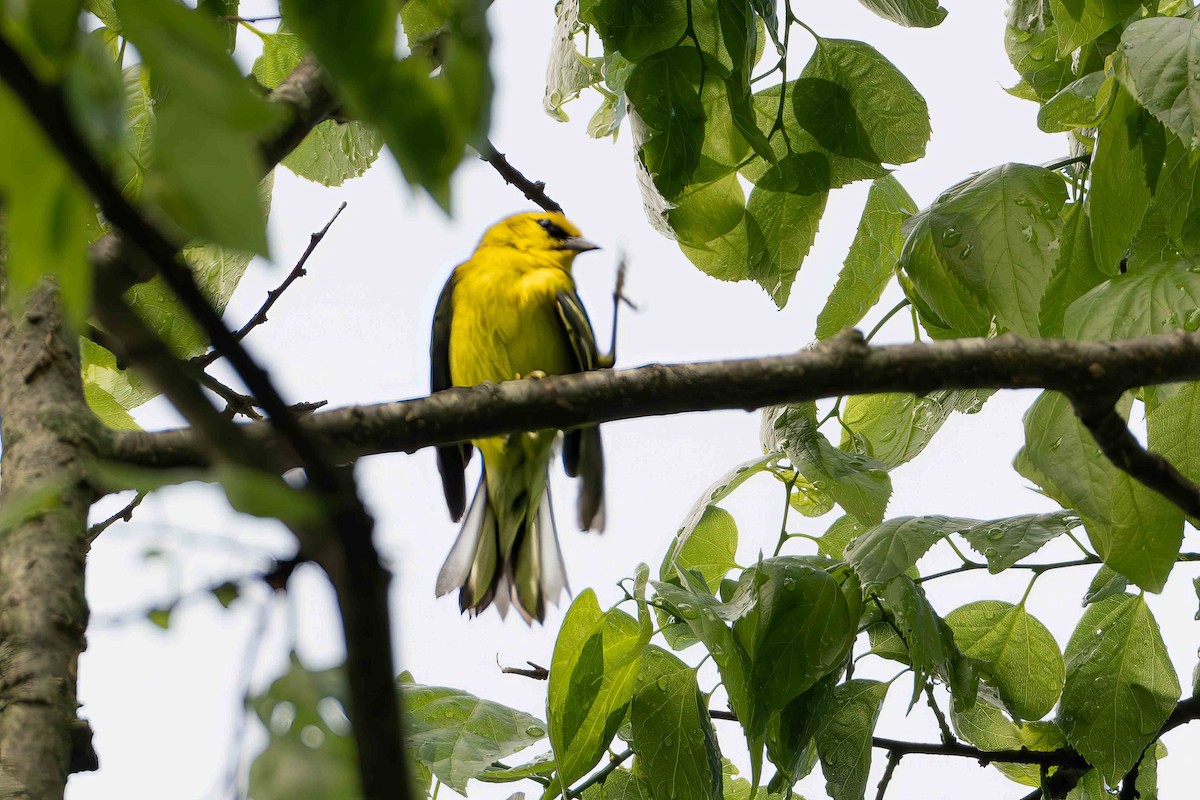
[552,229]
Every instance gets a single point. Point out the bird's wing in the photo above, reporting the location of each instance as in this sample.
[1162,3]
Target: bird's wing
[582,452]
[452,459]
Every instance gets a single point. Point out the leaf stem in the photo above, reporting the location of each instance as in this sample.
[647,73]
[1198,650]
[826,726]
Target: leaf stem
[896,309]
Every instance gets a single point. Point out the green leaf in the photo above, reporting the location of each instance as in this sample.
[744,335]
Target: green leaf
[797,629]
[1128,156]
[160,617]
[1031,50]
[209,183]
[638,28]
[894,428]
[266,495]
[1080,105]
[1159,71]
[1075,272]
[707,211]
[426,120]
[992,235]
[1170,428]
[541,766]
[855,103]
[1120,686]
[893,548]
[859,484]
[800,165]
[335,152]
[105,406]
[458,736]
[931,281]
[47,213]
[1004,542]
[929,642]
[987,727]
[226,593]
[677,753]
[664,95]
[710,548]
[782,228]
[281,52]
[1081,21]
[872,257]
[706,617]
[909,13]
[834,541]
[1105,583]
[94,93]
[1135,530]
[621,784]
[1016,654]
[1176,197]
[591,683]
[1158,298]
[844,737]
[103,10]
[719,540]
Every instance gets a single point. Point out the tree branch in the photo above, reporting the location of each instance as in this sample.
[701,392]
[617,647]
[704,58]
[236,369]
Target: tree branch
[534,191]
[1052,758]
[840,366]
[273,295]
[1120,446]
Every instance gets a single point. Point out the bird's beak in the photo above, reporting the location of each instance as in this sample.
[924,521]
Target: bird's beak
[578,244]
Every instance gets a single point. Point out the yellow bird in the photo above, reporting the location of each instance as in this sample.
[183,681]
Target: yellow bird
[508,312]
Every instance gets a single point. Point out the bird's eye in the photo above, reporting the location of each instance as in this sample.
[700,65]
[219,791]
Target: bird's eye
[555,231]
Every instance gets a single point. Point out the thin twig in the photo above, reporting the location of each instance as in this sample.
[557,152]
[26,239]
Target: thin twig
[536,671]
[599,777]
[618,297]
[1122,448]
[125,514]
[268,18]
[235,402]
[943,726]
[298,271]
[534,191]
[892,762]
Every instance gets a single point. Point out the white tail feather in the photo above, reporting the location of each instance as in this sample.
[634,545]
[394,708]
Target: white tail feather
[553,568]
[462,556]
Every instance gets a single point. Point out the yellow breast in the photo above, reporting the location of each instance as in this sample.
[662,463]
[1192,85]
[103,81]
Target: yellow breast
[505,322]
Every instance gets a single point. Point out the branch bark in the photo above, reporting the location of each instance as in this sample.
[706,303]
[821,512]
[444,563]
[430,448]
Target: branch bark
[48,433]
[841,366]
[1120,446]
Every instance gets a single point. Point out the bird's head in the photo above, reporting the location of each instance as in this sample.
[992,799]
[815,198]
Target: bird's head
[546,234]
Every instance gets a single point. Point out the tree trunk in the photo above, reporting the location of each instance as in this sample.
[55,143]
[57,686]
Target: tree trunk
[47,435]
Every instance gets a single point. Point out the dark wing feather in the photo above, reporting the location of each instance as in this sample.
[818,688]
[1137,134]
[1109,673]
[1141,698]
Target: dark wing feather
[452,459]
[582,451]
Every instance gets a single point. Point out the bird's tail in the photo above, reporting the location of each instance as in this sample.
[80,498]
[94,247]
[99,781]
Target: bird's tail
[528,574]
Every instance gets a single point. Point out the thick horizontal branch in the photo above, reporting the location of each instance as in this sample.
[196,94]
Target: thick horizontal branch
[841,366]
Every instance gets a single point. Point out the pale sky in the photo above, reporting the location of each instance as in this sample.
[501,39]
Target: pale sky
[165,705]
